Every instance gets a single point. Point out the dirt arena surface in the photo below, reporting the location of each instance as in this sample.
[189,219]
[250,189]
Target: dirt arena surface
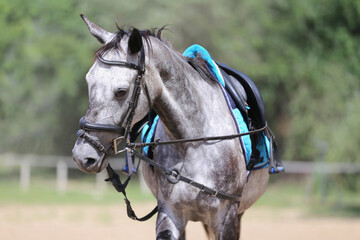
[95,222]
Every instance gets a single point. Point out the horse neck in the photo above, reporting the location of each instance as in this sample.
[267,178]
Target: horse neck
[188,105]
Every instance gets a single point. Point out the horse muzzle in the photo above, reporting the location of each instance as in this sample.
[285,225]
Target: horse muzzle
[88,158]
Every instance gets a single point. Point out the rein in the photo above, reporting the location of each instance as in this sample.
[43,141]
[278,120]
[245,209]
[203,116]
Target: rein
[188,140]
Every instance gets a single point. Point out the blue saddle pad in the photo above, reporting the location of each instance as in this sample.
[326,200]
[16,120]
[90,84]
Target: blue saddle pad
[148,133]
[263,144]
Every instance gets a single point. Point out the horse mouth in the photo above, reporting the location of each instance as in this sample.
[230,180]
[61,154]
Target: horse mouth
[91,165]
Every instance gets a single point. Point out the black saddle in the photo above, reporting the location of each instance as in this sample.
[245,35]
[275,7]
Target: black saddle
[236,83]
[243,92]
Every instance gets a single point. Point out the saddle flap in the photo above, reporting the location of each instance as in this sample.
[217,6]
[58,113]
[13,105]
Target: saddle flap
[237,93]
[254,99]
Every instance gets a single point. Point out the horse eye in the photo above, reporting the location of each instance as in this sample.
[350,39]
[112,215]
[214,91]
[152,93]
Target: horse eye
[120,93]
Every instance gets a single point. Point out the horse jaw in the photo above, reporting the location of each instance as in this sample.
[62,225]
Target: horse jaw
[100,34]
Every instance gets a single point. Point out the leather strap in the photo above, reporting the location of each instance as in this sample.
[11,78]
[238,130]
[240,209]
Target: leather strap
[100,127]
[140,67]
[202,139]
[120,187]
[173,176]
[82,134]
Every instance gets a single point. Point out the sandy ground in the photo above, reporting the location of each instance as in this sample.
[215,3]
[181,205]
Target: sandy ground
[55,222]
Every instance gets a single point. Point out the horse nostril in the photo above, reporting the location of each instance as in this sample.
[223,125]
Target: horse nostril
[89,162]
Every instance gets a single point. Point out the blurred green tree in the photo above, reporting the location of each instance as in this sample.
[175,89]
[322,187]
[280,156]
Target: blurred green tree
[303,55]
[41,75]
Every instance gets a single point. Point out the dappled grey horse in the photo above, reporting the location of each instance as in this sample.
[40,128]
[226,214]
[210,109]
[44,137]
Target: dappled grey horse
[136,71]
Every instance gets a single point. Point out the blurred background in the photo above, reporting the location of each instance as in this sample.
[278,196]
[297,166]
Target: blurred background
[303,56]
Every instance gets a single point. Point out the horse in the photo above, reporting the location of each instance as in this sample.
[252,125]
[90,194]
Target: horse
[138,71]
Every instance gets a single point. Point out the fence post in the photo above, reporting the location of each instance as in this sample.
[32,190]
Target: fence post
[143,187]
[100,182]
[61,176]
[25,174]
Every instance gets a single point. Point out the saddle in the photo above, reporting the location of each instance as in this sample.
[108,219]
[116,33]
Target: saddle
[247,98]
[245,95]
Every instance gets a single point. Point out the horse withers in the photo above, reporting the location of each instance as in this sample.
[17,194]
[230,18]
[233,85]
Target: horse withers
[137,71]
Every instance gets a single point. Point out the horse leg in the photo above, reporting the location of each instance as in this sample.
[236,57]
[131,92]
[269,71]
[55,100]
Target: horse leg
[209,233]
[240,216]
[229,224]
[168,228]
[182,237]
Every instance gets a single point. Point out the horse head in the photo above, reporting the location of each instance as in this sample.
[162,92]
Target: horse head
[116,86]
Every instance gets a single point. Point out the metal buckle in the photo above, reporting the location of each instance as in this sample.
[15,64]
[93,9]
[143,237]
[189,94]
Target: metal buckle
[116,142]
[173,176]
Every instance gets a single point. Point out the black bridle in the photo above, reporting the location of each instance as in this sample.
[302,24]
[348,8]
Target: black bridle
[120,130]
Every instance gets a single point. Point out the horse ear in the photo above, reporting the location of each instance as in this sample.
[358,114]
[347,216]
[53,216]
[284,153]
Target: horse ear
[100,34]
[135,41]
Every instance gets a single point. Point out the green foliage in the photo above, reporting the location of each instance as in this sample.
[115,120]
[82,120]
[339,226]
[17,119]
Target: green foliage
[327,38]
[303,55]
[41,74]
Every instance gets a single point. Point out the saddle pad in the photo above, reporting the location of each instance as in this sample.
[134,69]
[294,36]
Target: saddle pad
[263,144]
[148,133]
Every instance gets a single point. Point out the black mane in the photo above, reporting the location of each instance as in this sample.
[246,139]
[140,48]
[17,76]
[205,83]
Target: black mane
[200,65]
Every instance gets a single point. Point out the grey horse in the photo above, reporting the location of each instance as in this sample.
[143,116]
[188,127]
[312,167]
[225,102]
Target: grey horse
[188,106]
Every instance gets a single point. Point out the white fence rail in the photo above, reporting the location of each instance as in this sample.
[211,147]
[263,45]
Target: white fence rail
[299,167]
[63,163]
